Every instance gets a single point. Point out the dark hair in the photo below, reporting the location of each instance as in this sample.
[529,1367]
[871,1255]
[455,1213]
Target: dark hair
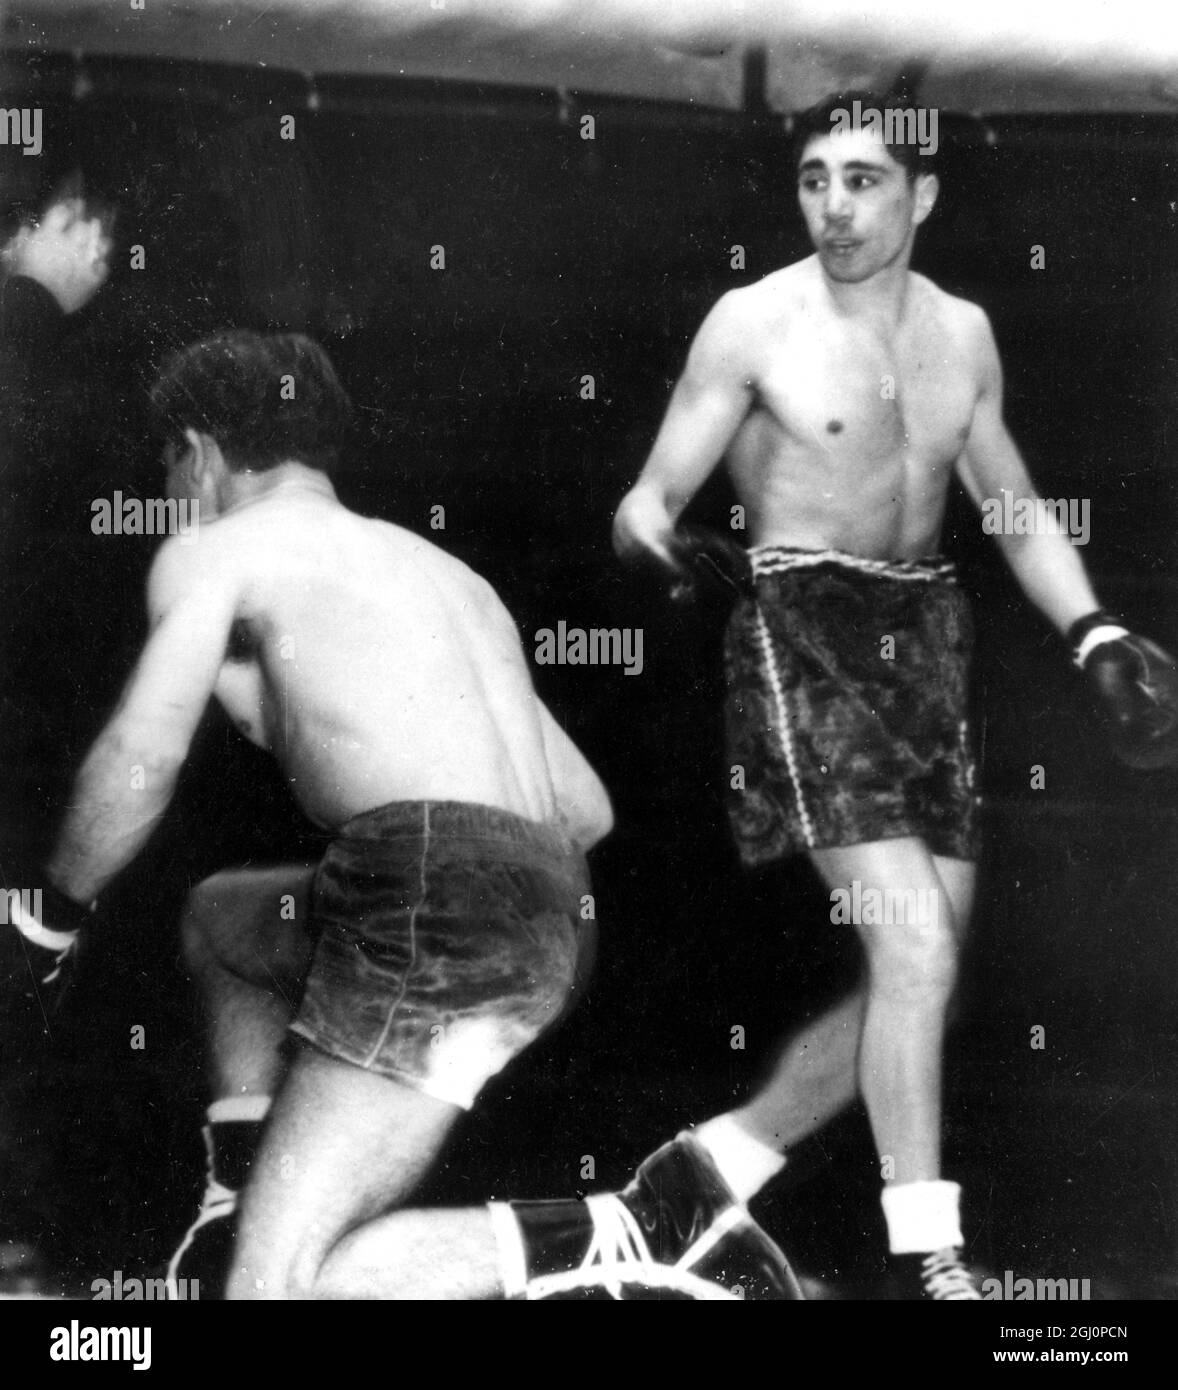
[821,118]
[231,387]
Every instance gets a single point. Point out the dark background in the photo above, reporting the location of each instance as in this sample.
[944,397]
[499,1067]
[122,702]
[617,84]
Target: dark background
[567,257]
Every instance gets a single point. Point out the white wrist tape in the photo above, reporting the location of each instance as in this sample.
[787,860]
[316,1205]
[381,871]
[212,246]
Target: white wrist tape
[33,931]
[1096,638]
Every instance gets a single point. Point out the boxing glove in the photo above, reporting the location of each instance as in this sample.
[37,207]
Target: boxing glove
[713,567]
[1136,685]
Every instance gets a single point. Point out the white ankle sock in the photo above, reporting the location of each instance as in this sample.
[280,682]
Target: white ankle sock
[745,1164]
[922,1216]
[245,1108]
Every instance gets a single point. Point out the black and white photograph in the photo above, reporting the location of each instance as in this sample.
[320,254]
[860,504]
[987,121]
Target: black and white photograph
[588,706]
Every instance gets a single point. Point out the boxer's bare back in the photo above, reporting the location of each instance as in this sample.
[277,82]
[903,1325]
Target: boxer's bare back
[374,666]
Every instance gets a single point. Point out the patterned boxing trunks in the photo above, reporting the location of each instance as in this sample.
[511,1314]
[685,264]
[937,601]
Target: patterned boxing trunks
[846,705]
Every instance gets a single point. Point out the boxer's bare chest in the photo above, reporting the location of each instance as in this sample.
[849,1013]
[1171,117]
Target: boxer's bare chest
[844,412]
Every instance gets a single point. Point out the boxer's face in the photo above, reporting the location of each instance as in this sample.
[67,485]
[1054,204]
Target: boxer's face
[860,206]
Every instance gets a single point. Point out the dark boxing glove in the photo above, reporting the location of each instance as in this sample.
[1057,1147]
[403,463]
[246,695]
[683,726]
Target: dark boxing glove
[1136,683]
[712,567]
[39,935]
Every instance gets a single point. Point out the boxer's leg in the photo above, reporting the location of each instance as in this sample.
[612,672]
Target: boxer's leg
[959,880]
[421,988]
[245,942]
[818,1072]
[815,1077]
[343,1146]
[911,971]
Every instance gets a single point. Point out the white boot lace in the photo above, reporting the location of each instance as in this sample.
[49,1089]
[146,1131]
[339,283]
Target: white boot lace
[945,1278]
[218,1201]
[618,1254]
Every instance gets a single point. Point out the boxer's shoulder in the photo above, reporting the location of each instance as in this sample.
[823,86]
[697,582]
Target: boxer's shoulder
[762,304]
[443,569]
[740,332]
[965,320]
[952,330]
[784,309]
[258,536]
[210,560]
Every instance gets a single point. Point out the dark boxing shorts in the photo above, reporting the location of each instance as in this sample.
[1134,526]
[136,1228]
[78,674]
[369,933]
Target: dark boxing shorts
[447,937]
[844,736]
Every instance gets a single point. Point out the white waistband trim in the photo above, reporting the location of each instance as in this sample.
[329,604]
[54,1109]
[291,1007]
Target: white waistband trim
[778,559]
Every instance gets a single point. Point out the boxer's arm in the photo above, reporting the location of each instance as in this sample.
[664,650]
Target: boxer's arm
[707,406]
[128,777]
[1047,567]
[581,799]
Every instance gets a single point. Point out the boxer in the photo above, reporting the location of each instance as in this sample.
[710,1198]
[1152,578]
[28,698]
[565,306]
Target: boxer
[443,932]
[444,929]
[844,392]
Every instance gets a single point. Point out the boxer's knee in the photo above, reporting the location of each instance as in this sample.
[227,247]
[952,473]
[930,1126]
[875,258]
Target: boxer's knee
[203,923]
[250,924]
[290,1271]
[917,960]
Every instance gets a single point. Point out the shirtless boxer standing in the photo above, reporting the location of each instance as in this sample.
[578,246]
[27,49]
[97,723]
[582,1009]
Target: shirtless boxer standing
[844,392]
[443,930]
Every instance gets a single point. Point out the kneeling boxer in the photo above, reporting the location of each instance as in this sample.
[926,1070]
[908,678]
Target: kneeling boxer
[442,932]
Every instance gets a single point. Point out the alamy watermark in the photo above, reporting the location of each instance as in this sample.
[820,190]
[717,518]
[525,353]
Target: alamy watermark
[897,125]
[122,1290]
[150,516]
[24,902]
[21,125]
[595,646]
[884,907]
[1009,515]
[1011,1289]
[81,1343]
